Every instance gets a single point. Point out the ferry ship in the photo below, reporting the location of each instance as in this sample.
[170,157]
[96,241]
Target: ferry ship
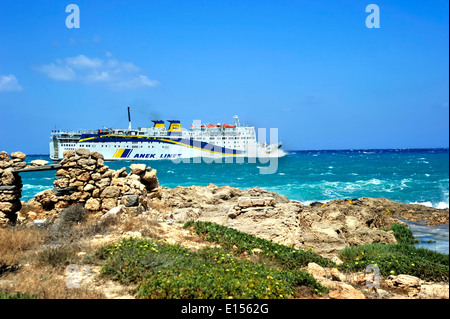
[158,142]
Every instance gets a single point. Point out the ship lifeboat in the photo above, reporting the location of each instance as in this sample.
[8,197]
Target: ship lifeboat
[229,126]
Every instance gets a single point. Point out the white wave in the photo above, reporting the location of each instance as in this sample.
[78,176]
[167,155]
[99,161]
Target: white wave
[440,205]
[281,174]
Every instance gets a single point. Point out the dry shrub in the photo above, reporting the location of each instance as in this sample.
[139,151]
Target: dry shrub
[158,205]
[14,241]
[147,226]
[44,284]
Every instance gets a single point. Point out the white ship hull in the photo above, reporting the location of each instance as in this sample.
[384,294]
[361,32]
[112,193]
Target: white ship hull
[158,143]
[125,151]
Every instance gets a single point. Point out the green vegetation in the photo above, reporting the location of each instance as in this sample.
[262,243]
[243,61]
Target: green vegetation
[16,295]
[400,258]
[246,267]
[403,234]
[238,242]
[171,271]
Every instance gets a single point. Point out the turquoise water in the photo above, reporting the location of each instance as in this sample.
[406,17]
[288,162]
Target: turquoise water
[408,176]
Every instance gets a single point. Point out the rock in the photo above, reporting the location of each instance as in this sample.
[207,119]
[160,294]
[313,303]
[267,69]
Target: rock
[103,183]
[110,192]
[18,155]
[246,202]
[83,162]
[5,164]
[19,165]
[10,207]
[62,172]
[109,203]
[61,183]
[84,177]
[61,191]
[120,173]
[337,275]
[435,291]
[130,200]
[410,283]
[34,205]
[82,152]
[4,156]
[93,204]
[316,270]
[38,163]
[186,214]
[31,215]
[137,168]
[340,290]
[68,154]
[8,178]
[96,176]
[337,261]
[89,188]
[100,162]
[150,179]
[97,155]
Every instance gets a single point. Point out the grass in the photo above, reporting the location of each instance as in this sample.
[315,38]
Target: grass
[400,258]
[239,242]
[170,271]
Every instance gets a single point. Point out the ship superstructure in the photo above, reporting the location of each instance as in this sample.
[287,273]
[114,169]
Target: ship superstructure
[160,142]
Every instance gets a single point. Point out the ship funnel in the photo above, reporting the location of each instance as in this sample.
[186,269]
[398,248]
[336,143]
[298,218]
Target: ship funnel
[129,119]
[158,124]
[175,127]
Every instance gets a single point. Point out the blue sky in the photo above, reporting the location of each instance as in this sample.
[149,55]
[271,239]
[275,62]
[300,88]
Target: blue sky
[312,69]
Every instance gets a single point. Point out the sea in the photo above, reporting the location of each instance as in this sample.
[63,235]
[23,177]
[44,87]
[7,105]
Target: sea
[419,176]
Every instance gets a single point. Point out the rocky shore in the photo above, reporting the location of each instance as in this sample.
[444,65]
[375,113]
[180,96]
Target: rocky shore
[325,228]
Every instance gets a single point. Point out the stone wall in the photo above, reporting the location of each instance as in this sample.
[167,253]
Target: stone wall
[82,179]
[85,179]
[10,186]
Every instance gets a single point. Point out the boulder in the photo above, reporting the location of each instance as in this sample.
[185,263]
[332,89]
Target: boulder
[316,270]
[38,163]
[4,156]
[19,155]
[137,168]
[93,204]
[435,291]
[82,152]
[130,200]
[8,178]
[97,155]
[410,283]
[68,154]
[110,192]
[84,177]
[108,203]
[341,290]
[246,202]
[5,164]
